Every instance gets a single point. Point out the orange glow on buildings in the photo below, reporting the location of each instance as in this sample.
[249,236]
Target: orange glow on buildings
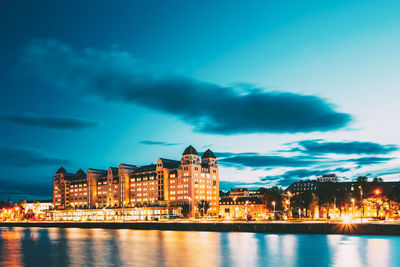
[169,182]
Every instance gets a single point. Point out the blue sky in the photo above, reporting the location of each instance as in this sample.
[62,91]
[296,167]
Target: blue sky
[280,91]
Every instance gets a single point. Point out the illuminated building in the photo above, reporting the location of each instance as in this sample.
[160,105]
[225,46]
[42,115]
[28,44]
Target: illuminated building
[241,207]
[169,182]
[331,177]
[239,192]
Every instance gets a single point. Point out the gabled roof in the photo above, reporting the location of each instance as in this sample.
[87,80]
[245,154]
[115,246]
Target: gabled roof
[61,170]
[114,170]
[190,150]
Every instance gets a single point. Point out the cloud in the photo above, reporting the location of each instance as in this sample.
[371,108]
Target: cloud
[158,143]
[227,185]
[364,161]
[292,176]
[25,157]
[353,147]
[211,108]
[48,122]
[18,189]
[257,161]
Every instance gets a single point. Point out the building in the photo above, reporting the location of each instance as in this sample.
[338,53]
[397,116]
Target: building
[166,183]
[239,192]
[303,186]
[241,207]
[331,177]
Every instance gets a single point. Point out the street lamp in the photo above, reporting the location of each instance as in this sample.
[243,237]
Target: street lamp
[362,202]
[273,204]
[289,194]
[352,200]
[377,193]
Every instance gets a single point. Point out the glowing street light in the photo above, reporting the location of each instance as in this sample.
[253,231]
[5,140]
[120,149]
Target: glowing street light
[352,200]
[273,204]
[377,193]
[288,202]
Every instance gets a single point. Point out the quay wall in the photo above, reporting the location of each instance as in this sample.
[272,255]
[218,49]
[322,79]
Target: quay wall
[287,227]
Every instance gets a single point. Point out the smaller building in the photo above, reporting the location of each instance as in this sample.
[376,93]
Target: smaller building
[241,207]
[39,206]
[303,186]
[239,192]
[331,177]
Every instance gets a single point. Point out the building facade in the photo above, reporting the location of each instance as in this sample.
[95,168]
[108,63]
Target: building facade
[187,181]
[242,208]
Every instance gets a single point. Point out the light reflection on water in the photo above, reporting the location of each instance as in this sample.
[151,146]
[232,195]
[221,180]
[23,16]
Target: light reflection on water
[102,247]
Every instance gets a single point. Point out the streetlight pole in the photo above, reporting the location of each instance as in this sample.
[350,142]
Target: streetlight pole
[289,194]
[362,203]
[377,193]
[273,204]
[352,200]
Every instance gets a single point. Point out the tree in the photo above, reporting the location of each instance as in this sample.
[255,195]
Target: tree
[303,200]
[203,207]
[22,203]
[326,194]
[185,208]
[273,194]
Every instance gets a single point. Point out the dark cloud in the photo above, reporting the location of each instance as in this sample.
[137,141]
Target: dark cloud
[158,143]
[292,176]
[25,157]
[231,154]
[260,161]
[354,147]
[18,189]
[48,122]
[227,185]
[210,108]
[364,161]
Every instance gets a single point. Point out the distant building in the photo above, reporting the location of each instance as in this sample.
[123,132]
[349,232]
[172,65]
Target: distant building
[328,178]
[239,192]
[38,206]
[240,207]
[303,186]
[169,182]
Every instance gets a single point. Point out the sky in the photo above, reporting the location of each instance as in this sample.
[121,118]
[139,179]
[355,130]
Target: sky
[280,90]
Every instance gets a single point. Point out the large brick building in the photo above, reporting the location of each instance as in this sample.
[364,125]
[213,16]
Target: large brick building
[169,182]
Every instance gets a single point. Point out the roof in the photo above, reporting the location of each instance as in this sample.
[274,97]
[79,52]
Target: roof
[61,170]
[81,173]
[170,163]
[114,170]
[96,170]
[208,154]
[128,166]
[145,168]
[190,150]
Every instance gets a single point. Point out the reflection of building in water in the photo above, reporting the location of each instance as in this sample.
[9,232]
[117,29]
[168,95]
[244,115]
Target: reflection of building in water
[168,182]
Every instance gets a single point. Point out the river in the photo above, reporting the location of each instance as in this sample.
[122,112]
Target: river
[105,247]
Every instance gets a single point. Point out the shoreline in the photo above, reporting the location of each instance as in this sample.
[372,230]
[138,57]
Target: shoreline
[384,229]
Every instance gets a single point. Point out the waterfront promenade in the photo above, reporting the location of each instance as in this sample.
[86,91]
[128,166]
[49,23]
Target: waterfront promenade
[368,228]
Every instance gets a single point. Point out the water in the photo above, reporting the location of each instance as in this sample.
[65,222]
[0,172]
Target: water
[102,247]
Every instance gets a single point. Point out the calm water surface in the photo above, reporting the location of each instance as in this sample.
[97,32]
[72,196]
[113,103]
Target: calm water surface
[102,247]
